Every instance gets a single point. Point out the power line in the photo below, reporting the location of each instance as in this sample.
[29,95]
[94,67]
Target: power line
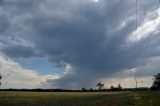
[142,44]
[144,10]
[136,14]
[135,42]
[136,30]
[158,5]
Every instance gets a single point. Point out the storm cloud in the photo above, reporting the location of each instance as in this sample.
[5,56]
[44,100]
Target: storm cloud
[91,40]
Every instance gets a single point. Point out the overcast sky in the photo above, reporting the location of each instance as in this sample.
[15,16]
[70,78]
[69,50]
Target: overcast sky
[76,43]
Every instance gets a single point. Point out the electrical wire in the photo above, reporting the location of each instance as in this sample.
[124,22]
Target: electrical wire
[144,10]
[135,42]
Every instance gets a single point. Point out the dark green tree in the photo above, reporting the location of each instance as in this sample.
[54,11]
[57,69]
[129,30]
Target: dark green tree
[0,79]
[100,86]
[112,87]
[156,83]
[84,89]
[119,87]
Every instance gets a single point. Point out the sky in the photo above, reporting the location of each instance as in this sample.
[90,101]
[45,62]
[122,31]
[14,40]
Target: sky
[72,44]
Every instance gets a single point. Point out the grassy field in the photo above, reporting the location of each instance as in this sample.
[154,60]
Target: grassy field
[80,99]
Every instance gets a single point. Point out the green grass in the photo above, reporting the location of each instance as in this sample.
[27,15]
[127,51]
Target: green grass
[80,99]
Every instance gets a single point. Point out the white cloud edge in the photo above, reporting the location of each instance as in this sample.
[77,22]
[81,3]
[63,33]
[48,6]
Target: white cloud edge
[20,77]
[148,28]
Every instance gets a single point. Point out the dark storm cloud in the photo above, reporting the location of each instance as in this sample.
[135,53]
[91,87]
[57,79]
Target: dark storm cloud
[3,24]
[88,36]
[20,51]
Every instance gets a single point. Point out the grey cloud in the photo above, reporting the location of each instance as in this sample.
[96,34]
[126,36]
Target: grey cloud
[3,24]
[20,51]
[87,35]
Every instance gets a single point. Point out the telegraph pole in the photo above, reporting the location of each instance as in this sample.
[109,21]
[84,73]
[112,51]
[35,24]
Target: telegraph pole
[136,82]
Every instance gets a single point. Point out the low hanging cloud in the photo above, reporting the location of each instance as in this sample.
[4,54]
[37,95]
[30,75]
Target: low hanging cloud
[85,37]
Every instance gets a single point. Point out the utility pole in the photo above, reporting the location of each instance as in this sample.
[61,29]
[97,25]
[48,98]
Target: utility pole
[136,82]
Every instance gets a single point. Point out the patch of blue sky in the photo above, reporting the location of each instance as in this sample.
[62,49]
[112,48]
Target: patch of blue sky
[41,65]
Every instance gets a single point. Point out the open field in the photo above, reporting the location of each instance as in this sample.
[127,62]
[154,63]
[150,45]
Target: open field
[80,99]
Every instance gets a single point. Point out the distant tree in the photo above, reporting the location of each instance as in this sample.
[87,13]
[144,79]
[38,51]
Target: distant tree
[100,86]
[112,88]
[0,79]
[3,77]
[0,76]
[84,89]
[119,87]
[156,83]
[91,90]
